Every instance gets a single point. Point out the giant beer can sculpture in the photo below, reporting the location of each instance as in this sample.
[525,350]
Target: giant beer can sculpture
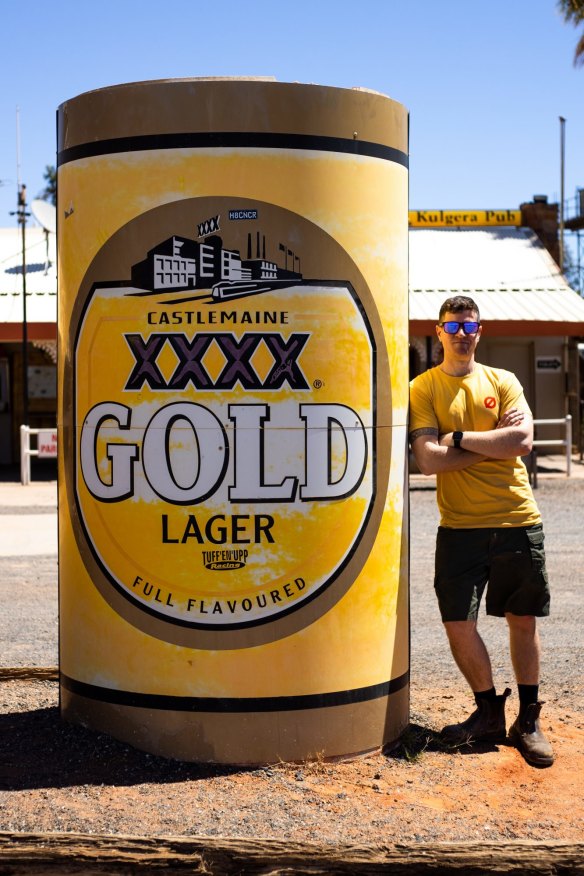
[233,332]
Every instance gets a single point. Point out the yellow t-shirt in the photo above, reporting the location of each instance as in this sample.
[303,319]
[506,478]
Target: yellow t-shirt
[495,492]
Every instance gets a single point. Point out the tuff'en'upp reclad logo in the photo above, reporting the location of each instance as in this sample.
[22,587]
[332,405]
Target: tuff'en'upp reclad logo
[225,416]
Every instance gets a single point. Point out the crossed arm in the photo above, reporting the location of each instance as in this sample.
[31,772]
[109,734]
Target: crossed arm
[513,436]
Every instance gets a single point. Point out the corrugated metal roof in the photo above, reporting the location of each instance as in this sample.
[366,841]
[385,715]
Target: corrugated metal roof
[41,277]
[507,271]
[510,259]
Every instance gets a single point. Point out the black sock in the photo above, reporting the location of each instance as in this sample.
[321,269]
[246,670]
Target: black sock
[528,693]
[489,694]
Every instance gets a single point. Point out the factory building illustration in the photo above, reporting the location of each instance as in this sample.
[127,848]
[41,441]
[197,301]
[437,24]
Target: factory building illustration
[180,264]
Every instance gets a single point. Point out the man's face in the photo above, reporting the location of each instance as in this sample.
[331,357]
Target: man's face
[460,344]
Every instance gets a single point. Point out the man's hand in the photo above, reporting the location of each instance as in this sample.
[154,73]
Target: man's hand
[512,417]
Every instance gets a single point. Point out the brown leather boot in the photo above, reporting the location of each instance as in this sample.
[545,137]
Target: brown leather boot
[486,724]
[527,736]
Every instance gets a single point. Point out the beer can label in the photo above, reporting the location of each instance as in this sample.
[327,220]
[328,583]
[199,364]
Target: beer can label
[229,382]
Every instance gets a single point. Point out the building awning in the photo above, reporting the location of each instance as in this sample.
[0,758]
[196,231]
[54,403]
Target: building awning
[41,284]
[516,284]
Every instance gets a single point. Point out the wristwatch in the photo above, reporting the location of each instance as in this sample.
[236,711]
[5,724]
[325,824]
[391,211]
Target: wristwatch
[456,439]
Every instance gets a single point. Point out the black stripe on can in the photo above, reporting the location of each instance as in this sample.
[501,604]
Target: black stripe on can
[229,139]
[234,704]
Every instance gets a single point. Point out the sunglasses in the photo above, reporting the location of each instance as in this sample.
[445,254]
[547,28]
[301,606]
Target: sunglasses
[453,327]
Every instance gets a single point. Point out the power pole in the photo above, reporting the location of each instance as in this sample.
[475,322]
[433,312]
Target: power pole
[21,215]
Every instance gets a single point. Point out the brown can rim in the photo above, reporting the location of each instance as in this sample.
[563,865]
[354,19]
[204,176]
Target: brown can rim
[247,105]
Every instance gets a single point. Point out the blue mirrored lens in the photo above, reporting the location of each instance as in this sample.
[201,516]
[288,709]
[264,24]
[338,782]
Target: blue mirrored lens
[469,328]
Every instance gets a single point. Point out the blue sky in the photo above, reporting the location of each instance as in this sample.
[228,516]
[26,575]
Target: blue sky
[485,82]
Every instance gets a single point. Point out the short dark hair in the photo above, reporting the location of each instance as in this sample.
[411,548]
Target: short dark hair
[456,304]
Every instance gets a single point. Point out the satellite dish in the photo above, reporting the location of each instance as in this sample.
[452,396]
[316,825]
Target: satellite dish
[45,214]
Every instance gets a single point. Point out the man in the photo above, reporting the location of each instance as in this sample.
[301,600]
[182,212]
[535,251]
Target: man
[469,425]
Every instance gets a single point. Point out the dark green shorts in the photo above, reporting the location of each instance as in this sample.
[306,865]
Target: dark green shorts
[511,560]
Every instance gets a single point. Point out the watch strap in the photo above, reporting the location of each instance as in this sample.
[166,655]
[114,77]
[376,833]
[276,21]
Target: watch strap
[456,439]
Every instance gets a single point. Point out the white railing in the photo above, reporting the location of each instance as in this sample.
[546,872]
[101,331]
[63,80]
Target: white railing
[566,441]
[46,448]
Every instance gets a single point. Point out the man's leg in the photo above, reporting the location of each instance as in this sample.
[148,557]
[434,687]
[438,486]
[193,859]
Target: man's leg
[525,651]
[487,722]
[524,647]
[470,653]
[461,574]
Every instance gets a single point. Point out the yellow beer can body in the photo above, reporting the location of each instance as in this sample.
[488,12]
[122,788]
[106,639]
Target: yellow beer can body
[233,338]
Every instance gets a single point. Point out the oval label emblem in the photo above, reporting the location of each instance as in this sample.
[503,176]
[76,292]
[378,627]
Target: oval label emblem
[228,374]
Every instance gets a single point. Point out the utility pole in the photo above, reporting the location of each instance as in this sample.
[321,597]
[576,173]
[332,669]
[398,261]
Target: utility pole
[21,215]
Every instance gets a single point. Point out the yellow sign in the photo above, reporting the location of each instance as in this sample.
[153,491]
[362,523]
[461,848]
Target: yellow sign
[466,218]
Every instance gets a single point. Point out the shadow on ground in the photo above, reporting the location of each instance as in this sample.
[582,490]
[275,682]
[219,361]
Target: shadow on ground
[417,740]
[39,750]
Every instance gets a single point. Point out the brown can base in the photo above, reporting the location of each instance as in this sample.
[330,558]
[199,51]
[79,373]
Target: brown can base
[252,738]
